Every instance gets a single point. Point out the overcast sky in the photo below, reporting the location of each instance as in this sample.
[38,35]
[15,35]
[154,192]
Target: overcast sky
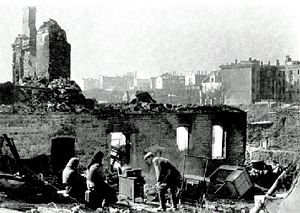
[153,37]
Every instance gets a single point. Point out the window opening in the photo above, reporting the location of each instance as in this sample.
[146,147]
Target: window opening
[218,142]
[118,153]
[182,135]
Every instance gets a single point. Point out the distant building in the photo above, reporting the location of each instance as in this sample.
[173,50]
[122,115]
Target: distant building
[211,82]
[126,82]
[194,79]
[91,83]
[241,82]
[292,76]
[168,81]
[112,83]
[272,82]
[143,84]
[121,83]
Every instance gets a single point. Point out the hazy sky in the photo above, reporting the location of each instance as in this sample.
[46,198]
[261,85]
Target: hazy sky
[153,37]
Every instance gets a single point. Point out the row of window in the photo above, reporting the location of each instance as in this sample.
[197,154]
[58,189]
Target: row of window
[120,152]
[291,72]
[218,141]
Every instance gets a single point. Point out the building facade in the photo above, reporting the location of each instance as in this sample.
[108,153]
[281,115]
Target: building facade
[241,82]
[143,84]
[292,77]
[272,82]
[212,82]
[194,79]
[91,83]
[168,81]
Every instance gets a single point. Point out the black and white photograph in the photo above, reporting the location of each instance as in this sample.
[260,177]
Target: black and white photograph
[130,106]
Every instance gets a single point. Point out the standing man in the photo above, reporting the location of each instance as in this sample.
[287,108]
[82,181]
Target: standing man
[167,176]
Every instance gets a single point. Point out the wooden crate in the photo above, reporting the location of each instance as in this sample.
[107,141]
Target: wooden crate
[238,182]
[131,187]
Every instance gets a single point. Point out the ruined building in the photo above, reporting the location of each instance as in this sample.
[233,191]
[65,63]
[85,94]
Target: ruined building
[42,54]
[53,51]
[24,48]
[214,133]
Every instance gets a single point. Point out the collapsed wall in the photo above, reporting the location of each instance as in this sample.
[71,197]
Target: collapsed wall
[275,135]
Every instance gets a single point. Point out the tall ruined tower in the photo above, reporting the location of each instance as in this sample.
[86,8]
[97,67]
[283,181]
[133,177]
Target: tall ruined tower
[42,54]
[24,48]
[53,52]
[29,29]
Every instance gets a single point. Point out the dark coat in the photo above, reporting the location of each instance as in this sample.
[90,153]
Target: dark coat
[73,181]
[166,172]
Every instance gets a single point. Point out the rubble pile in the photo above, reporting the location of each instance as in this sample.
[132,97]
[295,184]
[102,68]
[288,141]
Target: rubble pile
[272,178]
[64,95]
[61,95]
[139,107]
[282,131]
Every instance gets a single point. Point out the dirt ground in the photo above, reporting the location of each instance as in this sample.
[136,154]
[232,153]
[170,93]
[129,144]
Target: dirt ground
[223,205]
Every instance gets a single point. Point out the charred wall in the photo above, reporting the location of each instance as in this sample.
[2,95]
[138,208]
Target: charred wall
[145,132]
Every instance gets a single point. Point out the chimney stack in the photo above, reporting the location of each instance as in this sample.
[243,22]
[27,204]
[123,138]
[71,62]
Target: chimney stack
[277,62]
[250,59]
[236,61]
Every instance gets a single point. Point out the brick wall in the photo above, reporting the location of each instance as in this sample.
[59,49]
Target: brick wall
[32,135]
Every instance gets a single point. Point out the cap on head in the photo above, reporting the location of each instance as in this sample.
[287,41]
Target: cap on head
[148,155]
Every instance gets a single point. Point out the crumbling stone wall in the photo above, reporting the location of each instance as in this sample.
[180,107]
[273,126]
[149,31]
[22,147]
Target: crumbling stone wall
[24,48]
[281,134]
[53,52]
[278,139]
[24,61]
[32,134]
[42,54]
